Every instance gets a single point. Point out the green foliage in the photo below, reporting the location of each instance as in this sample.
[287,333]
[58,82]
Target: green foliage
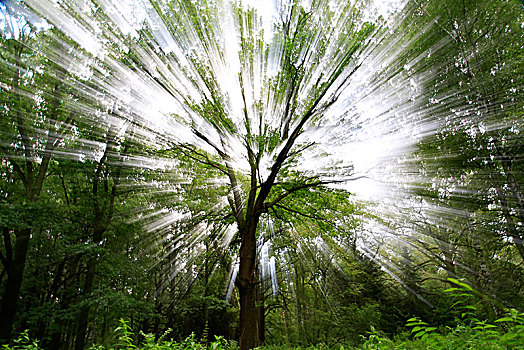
[469,333]
[463,295]
[375,340]
[421,329]
[514,322]
[23,342]
[125,335]
[127,339]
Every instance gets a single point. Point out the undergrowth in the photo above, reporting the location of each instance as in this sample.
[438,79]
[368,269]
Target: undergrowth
[127,341]
[470,333]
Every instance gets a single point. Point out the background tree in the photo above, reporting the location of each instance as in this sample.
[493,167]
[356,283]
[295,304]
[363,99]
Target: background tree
[468,221]
[35,122]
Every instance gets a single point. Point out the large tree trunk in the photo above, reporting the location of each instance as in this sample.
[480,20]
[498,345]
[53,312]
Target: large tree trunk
[246,286]
[248,318]
[15,274]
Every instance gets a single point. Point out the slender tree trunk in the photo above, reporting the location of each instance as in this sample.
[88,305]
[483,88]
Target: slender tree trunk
[511,227]
[15,260]
[261,312]
[15,274]
[103,212]
[286,330]
[449,265]
[84,311]
[83,316]
[205,333]
[33,179]
[299,296]
[158,311]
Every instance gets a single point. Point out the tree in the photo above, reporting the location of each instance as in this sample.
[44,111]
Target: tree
[241,103]
[246,107]
[37,127]
[253,132]
[249,111]
[470,192]
[485,132]
[46,119]
[105,182]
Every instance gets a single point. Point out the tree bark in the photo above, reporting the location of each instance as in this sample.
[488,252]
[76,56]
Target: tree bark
[103,209]
[84,311]
[261,313]
[15,274]
[33,179]
[246,287]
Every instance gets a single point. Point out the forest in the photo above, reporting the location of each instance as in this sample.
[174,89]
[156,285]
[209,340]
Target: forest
[234,174]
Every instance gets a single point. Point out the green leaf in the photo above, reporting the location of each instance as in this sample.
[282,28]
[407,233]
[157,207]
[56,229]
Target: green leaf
[469,307]
[490,326]
[453,280]
[508,336]
[419,334]
[456,303]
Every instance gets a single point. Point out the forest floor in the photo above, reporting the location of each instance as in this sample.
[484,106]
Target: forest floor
[460,338]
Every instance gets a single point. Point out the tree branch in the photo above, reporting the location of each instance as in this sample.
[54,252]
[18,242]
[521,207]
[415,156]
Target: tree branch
[308,185]
[209,142]
[237,208]
[205,161]
[290,155]
[16,166]
[313,217]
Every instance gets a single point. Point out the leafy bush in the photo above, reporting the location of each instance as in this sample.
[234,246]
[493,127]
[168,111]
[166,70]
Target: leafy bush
[126,340]
[22,342]
[470,333]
